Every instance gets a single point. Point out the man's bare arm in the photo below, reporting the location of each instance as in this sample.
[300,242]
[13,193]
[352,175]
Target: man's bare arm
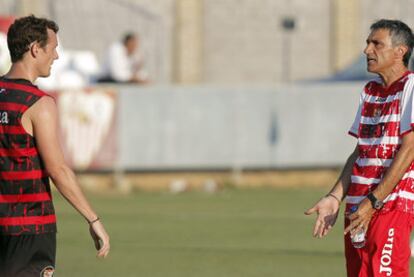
[327,208]
[43,116]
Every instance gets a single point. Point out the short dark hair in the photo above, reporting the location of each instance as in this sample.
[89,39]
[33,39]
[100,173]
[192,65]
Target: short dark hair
[26,30]
[400,34]
[127,37]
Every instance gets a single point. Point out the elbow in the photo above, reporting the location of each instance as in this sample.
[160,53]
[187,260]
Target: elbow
[58,173]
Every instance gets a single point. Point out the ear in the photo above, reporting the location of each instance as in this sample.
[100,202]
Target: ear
[34,49]
[401,50]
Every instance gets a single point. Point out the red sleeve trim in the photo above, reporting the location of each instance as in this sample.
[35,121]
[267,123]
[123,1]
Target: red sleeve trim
[406,132]
[353,134]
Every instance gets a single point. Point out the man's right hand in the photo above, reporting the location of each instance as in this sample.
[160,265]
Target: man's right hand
[100,238]
[327,209]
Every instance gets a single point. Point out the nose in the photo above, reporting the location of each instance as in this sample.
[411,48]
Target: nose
[368,49]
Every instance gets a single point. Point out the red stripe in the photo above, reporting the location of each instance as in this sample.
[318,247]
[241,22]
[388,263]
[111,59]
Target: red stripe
[12,130]
[368,171]
[390,129]
[22,87]
[359,190]
[384,151]
[19,198]
[385,108]
[18,152]
[10,106]
[28,220]
[376,89]
[23,175]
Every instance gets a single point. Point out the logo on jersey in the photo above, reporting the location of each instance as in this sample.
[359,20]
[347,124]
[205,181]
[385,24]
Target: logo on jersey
[47,271]
[4,118]
[386,254]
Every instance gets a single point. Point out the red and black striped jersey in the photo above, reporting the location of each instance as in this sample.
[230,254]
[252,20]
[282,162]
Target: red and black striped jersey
[25,199]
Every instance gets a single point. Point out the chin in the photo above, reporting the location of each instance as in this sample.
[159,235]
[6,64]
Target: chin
[44,75]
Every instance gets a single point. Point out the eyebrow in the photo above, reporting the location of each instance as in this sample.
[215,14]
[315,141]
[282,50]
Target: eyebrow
[375,41]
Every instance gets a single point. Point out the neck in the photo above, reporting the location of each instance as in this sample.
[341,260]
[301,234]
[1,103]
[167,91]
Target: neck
[20,70]
[393,74]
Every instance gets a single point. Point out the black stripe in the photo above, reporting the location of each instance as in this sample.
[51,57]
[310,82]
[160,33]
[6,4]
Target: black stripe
[28,229]
[24,186]
[19,97]
[22,163]
[16,141]
[26,209]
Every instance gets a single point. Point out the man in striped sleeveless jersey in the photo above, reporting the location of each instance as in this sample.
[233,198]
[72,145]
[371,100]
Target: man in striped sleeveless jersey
[378,177]
[29,154]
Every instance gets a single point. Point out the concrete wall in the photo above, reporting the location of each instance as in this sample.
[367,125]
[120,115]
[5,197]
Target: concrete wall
[218,127]
[245,41]
[223,42]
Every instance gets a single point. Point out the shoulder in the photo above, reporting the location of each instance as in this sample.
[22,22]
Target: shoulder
[408,82]
[44,108]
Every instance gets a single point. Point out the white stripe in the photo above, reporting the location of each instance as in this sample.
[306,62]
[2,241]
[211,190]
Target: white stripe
[364,181]
[402,194]
[380,140]
[374,162]
[376,99]
[354,199]
[380,119]
[409,174]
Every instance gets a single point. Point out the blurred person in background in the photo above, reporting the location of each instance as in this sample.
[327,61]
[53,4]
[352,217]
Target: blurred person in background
[378,177]
[121,64]
[5,62]
[29,154]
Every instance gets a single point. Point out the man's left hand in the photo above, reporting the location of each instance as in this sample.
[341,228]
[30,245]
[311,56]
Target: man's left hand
[360,218]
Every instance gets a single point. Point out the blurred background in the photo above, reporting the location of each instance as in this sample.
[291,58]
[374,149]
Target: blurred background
[238,94]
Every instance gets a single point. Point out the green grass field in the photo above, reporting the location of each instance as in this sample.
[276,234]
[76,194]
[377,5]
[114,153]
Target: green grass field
[235,232]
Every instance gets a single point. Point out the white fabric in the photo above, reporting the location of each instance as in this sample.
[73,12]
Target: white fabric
[117,64]
[355,125]
[406,104]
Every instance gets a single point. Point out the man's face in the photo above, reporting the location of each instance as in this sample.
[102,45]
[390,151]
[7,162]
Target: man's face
[48,54]
[379,51]
[131,45]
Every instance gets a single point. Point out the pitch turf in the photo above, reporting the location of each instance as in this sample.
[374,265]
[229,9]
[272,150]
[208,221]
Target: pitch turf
[249,232]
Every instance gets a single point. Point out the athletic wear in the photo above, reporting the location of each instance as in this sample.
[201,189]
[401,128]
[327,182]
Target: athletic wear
[25,199]
[387,248]
[27,255]
[384,116]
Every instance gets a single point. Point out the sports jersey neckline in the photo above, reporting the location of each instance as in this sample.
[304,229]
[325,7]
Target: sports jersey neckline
[18,81]
[387,89]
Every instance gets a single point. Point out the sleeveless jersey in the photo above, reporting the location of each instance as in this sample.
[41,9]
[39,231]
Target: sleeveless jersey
[384,116]
[25,199]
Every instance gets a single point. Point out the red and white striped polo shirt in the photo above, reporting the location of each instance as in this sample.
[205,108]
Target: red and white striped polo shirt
[384,116]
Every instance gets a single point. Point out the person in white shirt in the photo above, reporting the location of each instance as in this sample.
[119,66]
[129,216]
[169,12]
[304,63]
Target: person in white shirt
[121,65]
